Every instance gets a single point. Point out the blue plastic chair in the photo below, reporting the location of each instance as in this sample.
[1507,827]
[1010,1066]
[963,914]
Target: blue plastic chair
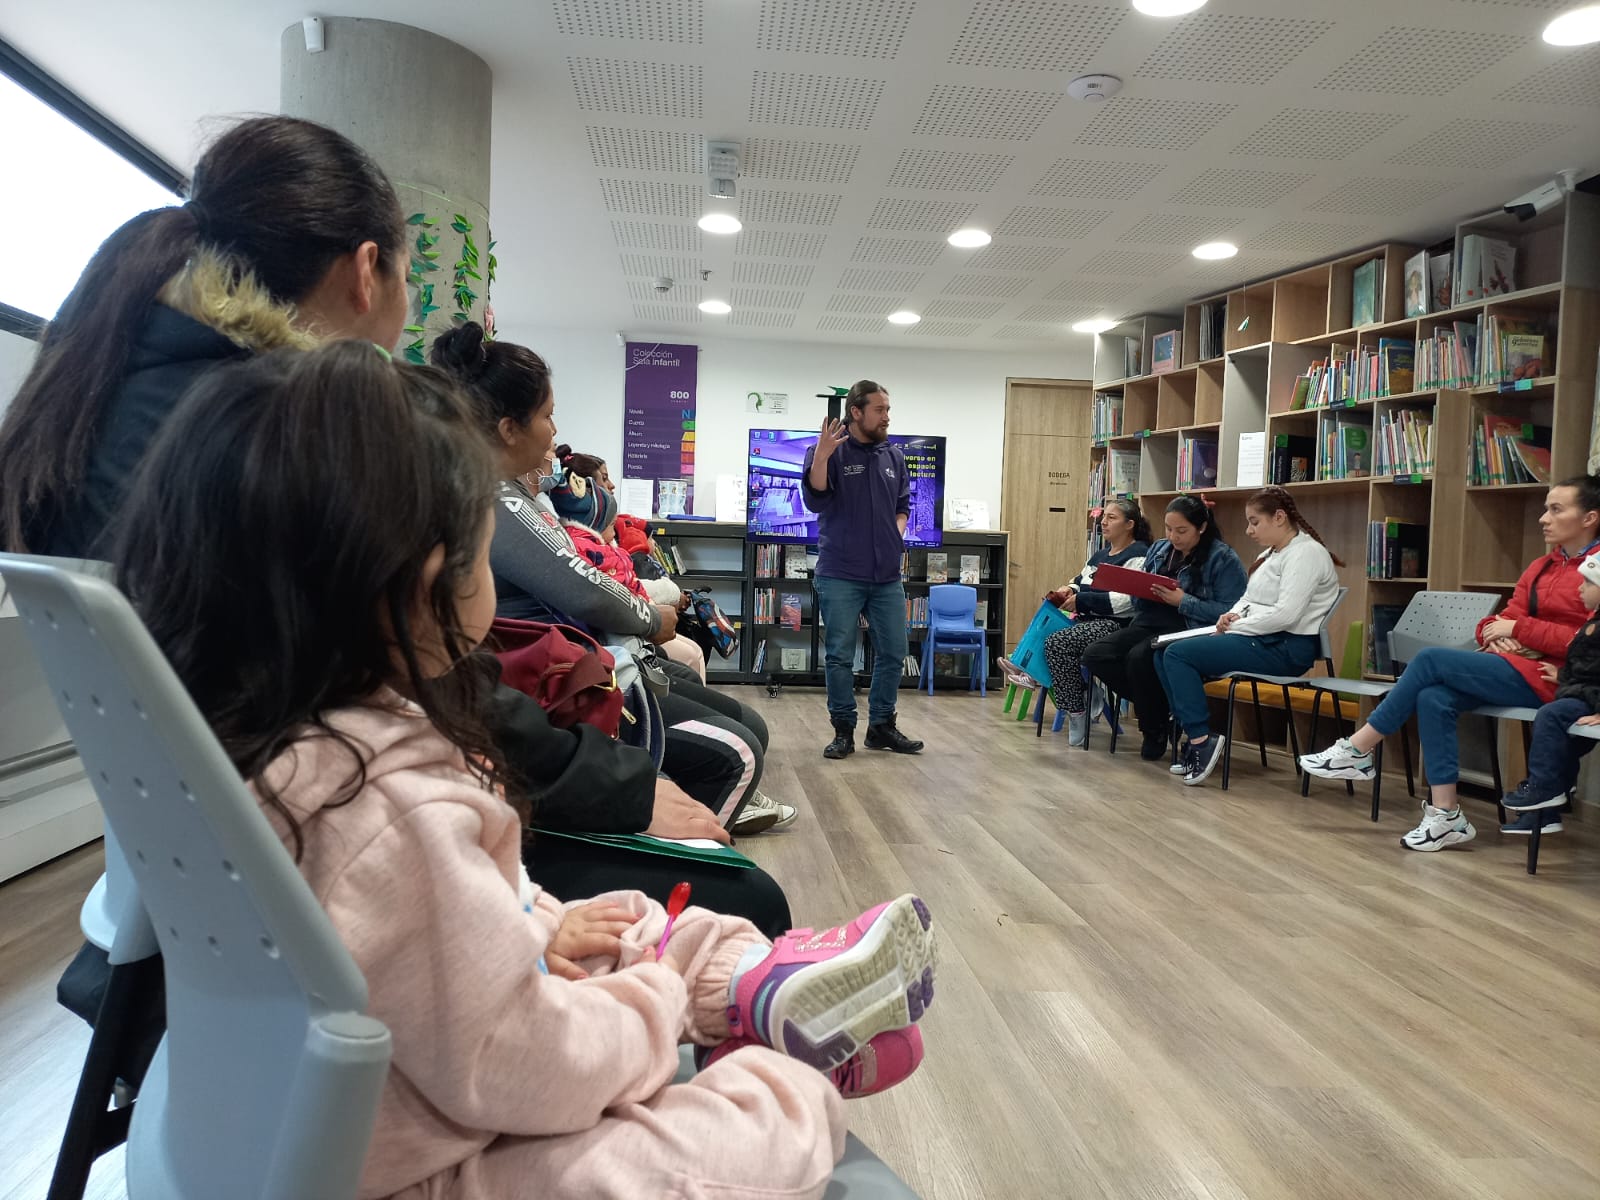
[953,629]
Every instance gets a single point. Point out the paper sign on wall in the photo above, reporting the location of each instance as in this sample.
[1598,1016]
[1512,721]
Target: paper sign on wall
[637,497]
[731,498]
[766,403]
[960,513]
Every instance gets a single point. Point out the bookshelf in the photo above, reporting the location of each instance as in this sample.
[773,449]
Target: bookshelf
[1267,337]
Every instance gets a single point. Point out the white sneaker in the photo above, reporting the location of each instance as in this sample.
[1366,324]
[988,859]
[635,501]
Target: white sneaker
[1181,767]
[761,813]
[1439,829]
[1077,728]
[1339,761]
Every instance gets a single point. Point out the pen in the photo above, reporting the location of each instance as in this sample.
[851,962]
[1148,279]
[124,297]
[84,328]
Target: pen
[676,903]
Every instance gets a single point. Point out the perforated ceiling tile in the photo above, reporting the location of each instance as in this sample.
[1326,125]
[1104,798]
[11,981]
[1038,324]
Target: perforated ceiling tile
[773,274]
[670,314]
[919,216]
[1421,62]
[1055,312]
[1222,48]
[1178,229]
[987,285]
[651,265]
[819,101]
[1089,291]
[863,303]
[974,310]
[949,329]
[788,161]
[1573,79]
[647,235]
[650,198]
[848,28]
[1317,133]
[1386,196]
[646,89]
[1308,239]
[1095,180]
[681,292]
[777,243]
[1223,186]
[860,279]
[948,170]
[761,320]
[1021,333]
[1131,263]
[1007,114]
[765,206]
[1035,221]
[908,252]
[1034,35]
[749,297]
[1152,124]
[1015,256]
[833,324]
[644,20]
[617,149]
[1475,142]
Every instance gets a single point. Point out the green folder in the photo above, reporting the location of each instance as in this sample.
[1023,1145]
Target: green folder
[726,856]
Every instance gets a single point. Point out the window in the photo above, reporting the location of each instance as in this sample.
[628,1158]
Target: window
[82,186]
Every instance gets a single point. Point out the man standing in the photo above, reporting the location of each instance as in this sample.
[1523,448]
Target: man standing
[858,486]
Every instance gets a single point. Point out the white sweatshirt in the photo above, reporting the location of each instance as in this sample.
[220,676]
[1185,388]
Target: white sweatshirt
[1291,591]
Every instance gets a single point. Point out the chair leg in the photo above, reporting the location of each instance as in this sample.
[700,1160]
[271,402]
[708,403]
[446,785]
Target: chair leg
[1294,738]
[1338,728]
[1494,766]
[1261,741]
[1377,778]
[1011,695]
[93,1128]
[1116,729]
[1533,850]
[1038,713]
[1316,710]
[1227,746]
[1405,748]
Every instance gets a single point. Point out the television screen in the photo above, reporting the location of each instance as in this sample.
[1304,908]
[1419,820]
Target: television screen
[776,511]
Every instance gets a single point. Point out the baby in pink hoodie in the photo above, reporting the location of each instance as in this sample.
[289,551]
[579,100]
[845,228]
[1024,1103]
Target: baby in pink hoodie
[535,1042]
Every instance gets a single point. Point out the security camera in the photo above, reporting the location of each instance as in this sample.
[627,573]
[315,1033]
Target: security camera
[1544,197]
[662,284]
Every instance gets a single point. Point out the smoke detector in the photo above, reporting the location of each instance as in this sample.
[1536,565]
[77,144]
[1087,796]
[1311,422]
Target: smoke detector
[722,168]
[662,284]
[1094,89]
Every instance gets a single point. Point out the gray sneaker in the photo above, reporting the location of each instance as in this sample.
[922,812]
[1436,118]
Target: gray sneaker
[761,813]
[1077,729]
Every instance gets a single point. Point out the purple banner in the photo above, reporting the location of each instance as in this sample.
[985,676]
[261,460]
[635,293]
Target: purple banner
[658,415]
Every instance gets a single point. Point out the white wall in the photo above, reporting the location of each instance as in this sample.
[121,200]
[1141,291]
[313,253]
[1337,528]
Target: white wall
[16,353]
[959,394]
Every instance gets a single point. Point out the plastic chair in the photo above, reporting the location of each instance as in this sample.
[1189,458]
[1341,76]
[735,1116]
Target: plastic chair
[953,628]
[1446,619]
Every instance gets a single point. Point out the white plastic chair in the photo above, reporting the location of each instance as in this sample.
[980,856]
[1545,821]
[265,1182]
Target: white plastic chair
[268,1080]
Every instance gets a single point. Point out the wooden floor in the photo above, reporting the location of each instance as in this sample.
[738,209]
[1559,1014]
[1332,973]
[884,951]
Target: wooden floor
[1145,991]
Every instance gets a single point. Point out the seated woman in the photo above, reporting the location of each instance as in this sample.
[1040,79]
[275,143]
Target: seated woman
[1535,628]
[1210,578]
[1271,631]
[1099,613]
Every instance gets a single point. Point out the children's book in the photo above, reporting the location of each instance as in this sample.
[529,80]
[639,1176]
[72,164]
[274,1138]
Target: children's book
[1417,284]
[938,568]
[969,568]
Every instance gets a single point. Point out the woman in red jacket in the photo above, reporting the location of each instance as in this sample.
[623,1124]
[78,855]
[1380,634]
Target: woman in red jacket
[1534,628]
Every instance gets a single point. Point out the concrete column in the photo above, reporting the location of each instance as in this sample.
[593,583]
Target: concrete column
[421,106]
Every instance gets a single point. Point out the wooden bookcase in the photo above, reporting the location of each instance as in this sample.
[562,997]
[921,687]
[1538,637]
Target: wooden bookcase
[1479,537]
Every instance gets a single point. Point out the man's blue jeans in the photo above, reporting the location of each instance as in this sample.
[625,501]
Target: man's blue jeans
[841,602]
[1553,757]
[1436,686]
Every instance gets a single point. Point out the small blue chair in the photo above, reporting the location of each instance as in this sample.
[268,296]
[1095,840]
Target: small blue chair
[953,629]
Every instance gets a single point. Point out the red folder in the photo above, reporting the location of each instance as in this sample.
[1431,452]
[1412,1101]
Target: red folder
[1131,583]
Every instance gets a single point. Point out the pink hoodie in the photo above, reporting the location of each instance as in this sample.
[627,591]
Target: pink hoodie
[506,1081]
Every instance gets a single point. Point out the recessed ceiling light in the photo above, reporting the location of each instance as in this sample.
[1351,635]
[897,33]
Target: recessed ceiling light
[1576,28]
[1167,8]
[720,223]
[904,317]
[717,308]
[1216,250]
[1098,325]
[969,239]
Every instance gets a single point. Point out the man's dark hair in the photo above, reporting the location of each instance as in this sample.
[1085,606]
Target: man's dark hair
[857,397]
[1588,489]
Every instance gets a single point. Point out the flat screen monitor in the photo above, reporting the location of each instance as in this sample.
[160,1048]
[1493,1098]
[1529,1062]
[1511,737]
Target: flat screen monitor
[775,508]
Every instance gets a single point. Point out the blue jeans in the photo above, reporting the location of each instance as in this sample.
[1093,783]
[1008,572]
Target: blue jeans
[1185,666]
[842,601]
[1552,755]
[1436,686]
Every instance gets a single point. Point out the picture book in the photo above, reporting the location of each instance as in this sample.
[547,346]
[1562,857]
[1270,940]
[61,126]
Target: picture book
[1524,356]
[1417,284]
[794,562]
[794,658]
[1364,294]
[1164,353]
[969,568]
[789,617]
[1499,263]
[938,567]
[1439,293]
[1397,366]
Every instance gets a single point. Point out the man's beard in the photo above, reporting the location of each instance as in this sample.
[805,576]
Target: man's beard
[880,435]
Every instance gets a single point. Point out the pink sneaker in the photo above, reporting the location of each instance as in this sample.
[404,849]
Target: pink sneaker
[821,997]
[886,1060]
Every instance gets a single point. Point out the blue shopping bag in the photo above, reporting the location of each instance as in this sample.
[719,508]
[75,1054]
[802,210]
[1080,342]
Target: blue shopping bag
[1029,654]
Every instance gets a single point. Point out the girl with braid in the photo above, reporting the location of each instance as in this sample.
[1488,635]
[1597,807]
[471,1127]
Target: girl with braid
[1271,630]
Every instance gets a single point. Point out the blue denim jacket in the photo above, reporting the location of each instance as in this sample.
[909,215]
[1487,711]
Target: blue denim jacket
[1221,581]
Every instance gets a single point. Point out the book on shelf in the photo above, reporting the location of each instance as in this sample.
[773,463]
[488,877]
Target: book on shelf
[938,567]
[1486,267]
[1132,354]
[1197,462]
[1097,484]
[1522,356]
[1105,416]
[1123,479]
[917,612]
[1384,618]
[1291,457]
[1450,357]
[1397,366]
[1440,292]
[982,614]
[769,557]
[1403,442]
[1364,294]
[760,662]
[789,618]
[1593,462]
[911,668]
[766,605]
[794,562]
[1164,353]
[969,568]
[794,658]
[1345,452]
[1396,550]
[1251,468]
[1508,451]
[1213,328]
[1416,284]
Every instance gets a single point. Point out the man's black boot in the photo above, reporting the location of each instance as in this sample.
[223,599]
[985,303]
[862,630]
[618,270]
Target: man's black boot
[888,737]
[844,741]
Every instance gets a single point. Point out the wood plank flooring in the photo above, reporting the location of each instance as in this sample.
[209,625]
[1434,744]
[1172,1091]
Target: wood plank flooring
[1145,990]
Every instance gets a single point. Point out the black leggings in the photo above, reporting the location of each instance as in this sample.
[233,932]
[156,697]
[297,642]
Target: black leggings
[574,870]
[716,746]
[1127,665]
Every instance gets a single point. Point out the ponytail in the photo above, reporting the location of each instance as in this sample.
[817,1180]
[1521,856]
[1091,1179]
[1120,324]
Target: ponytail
[1276,499]
[1131,510]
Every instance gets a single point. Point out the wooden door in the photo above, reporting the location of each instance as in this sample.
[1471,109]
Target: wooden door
[1043,491]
